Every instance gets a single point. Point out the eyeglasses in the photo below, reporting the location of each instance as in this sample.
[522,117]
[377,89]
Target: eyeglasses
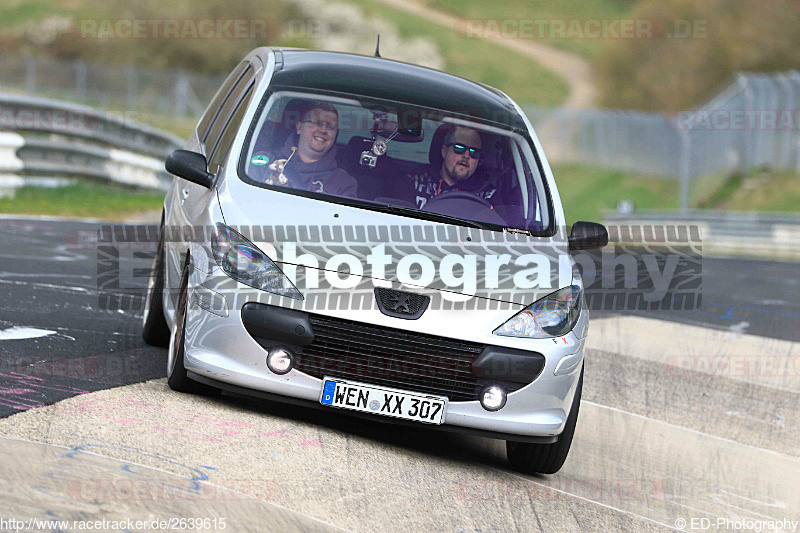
[474,153]
[329,127]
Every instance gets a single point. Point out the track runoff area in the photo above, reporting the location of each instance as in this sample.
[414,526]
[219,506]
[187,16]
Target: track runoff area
[688,422]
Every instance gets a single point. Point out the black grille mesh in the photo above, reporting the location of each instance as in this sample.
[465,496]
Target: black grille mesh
[391,357]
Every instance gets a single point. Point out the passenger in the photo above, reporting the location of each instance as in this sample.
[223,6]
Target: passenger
[307,161]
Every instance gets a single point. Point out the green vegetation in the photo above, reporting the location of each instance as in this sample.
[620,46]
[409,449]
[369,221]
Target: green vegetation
[757,191]
[183,128]
[548,15]
[692,49]
[14,12]
[82,200]
[215,56]
[588,191]
[520,77]
[673,71]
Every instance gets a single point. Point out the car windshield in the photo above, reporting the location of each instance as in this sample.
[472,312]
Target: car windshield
[386,156]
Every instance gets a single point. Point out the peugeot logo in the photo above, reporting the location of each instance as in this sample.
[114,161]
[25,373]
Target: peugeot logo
[409,306]
[399,302]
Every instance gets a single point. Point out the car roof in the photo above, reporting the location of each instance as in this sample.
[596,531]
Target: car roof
[349,74]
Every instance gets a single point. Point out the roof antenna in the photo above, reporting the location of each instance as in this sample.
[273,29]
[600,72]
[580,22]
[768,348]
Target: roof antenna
[378,47]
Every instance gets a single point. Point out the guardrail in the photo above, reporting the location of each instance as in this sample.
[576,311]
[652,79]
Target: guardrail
[741,233]
[46,139]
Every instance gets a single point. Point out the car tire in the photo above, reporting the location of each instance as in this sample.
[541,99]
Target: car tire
[155,331]
[546,458]
[177,377]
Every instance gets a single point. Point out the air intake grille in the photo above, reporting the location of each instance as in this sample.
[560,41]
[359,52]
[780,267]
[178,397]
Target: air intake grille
[391,357]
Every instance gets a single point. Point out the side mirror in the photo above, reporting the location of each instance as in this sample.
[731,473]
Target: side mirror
[587,236]
[190,166]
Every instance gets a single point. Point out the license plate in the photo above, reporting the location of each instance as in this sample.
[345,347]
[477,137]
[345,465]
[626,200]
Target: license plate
[383,401]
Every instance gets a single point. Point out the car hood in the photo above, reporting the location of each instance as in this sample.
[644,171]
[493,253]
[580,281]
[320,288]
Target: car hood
[354,248]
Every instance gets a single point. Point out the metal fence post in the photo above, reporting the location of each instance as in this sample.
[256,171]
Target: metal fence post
[80,79]
[685,168]
[30,74]
[131,93]
[180,94]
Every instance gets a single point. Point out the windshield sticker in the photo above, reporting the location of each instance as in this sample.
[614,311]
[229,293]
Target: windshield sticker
[260,160]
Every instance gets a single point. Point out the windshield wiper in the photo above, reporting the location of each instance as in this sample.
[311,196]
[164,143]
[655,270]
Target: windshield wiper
[430,215]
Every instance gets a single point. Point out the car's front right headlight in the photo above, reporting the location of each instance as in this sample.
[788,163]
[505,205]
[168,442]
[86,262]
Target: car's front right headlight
[243,261]
[553,316]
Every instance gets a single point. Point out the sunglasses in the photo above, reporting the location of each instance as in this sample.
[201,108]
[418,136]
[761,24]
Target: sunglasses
[474,153]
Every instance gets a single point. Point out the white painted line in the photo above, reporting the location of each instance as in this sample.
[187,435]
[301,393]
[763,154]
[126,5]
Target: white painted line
[725,353]
[582,498]
[19,332]
[51,218]
[41,275]
[106,457]
[696,432]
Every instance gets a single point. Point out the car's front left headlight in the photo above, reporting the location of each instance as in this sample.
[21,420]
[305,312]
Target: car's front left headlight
[552,316]
[244,262]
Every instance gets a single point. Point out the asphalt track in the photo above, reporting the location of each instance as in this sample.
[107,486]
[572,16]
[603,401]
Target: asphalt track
[665,433]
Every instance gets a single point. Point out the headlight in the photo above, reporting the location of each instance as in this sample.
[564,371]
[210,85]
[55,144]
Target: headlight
[552,316]
[244,262]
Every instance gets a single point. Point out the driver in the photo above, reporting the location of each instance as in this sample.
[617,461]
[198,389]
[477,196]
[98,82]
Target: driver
[461,152]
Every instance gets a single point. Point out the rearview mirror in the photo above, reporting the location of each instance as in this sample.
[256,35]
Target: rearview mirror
[587,236]
[190,166]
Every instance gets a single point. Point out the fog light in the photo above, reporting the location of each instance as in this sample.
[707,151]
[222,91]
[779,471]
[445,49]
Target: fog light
[280,361]
[493,398]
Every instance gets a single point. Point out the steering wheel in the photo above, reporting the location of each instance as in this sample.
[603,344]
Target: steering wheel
[464,205]
[456,195]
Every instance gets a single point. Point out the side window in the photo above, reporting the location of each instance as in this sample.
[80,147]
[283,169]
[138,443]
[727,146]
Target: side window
[227,109]
[217,101]
[229,132]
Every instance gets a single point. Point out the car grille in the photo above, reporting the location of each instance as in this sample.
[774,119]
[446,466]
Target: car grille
[391,357]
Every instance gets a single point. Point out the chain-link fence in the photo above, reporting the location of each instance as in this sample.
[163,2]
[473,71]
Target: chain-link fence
[130,90]
[753,123]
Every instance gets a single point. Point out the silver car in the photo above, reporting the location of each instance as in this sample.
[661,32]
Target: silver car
[354,233]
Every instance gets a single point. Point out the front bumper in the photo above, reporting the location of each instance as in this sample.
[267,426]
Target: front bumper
[222,352]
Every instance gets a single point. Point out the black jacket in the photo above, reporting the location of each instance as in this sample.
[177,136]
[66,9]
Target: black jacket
[426,182]
[323,176]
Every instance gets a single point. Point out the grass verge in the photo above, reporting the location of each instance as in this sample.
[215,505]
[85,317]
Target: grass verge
[520,77]
[552,19]
[758,191]
[14,12]
[588,191]
[81,200]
